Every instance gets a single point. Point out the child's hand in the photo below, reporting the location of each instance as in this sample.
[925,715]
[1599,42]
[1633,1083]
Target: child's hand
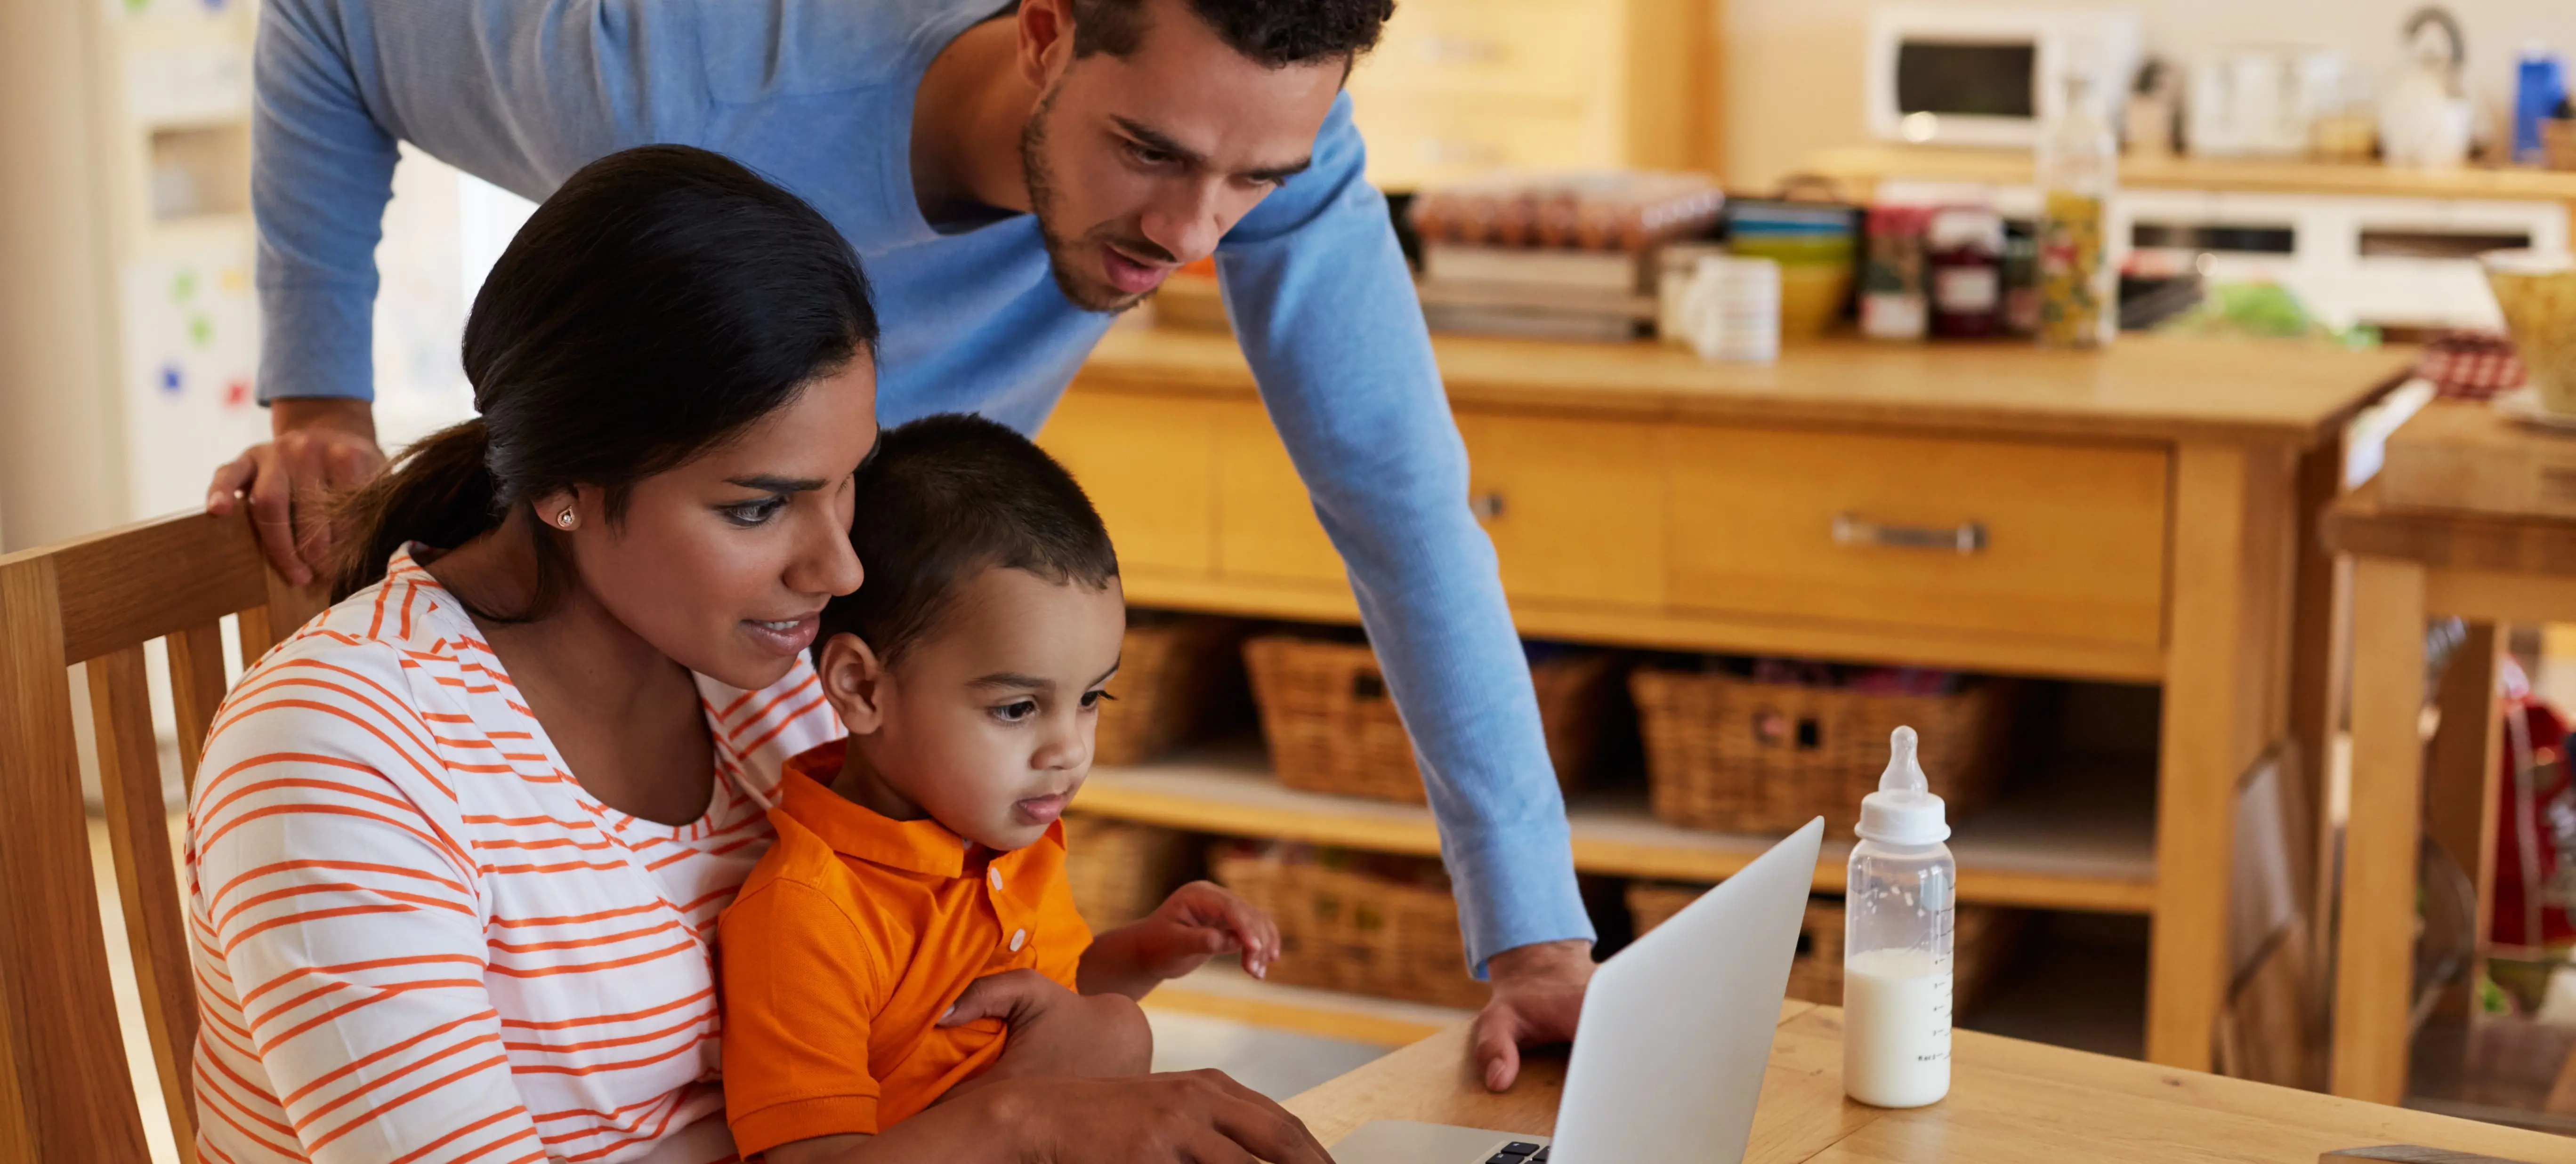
[1199,921]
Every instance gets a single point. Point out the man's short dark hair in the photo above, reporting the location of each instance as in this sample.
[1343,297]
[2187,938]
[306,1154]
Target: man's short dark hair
[944,498]
[1276,33]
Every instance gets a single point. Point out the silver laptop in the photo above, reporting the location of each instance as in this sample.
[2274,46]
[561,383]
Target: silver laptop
[1675,1035]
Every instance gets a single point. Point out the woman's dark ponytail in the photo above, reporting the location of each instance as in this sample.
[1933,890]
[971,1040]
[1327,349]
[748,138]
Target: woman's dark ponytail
[439,491]
[659,302]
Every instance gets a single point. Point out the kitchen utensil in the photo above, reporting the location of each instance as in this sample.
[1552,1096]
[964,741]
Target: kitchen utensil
[2424,122]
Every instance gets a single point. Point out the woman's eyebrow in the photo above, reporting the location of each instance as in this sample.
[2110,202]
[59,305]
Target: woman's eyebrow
[770,483]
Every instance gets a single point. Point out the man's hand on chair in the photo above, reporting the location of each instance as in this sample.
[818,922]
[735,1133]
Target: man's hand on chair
[323,445]
[1538,994]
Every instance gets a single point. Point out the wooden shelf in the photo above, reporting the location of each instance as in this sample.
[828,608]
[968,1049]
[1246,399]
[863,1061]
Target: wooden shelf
[1870,164]
[2083,839]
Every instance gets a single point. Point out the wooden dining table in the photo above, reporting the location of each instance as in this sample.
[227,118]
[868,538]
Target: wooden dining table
[2010,1102]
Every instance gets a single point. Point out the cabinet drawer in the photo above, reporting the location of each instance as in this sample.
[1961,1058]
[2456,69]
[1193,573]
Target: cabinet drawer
[1514,51]
[1575,507]
[1863,528]
[1266,525]
[1419,139]
[1149,465]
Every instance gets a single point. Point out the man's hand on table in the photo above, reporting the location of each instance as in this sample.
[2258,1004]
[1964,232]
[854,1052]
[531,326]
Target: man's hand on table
[322,445]
[1538,994]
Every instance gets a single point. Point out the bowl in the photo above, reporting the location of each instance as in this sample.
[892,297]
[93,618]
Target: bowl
[2537,291]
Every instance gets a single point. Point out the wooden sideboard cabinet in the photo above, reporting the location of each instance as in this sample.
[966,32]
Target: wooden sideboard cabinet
[2143,516]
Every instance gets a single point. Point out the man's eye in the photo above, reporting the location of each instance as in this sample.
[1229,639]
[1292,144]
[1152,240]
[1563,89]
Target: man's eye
[752,513]
[1148,154]
[1016,712]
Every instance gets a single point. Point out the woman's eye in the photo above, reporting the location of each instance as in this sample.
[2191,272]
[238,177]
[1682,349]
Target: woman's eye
[752,513]
[1016,712]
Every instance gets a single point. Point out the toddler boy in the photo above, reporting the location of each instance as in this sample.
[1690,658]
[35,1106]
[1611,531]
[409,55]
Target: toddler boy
[924,852]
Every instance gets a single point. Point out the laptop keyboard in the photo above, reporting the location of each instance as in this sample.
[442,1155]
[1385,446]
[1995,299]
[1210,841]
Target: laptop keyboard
[1519,1152]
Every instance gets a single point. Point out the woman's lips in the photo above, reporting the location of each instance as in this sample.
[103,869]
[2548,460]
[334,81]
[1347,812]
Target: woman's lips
[785,637]
[1130,276]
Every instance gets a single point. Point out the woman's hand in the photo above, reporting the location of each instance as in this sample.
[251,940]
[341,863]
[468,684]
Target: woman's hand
[1053,1031]
[1197,922]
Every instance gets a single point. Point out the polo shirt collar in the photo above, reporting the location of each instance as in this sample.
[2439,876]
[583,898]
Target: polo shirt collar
[918,846]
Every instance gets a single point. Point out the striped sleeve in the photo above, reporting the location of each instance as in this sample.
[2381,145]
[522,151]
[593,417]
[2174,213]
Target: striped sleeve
[357,963]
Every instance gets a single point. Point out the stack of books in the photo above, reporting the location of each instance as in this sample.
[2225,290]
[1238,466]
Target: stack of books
[1554,257]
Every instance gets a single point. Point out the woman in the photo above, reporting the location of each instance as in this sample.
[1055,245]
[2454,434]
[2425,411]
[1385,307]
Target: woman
[461,841]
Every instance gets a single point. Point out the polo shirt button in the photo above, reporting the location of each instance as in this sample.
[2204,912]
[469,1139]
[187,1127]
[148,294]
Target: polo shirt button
[1018,938]
[995,877]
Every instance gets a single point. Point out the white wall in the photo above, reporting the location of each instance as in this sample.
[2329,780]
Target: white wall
[1793,67]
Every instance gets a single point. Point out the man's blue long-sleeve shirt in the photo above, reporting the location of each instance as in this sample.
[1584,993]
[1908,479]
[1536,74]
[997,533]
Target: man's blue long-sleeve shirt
[818,96]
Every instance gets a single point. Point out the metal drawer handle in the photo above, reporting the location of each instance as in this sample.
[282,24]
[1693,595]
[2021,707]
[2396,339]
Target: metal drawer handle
[1486,506]
[1851,529]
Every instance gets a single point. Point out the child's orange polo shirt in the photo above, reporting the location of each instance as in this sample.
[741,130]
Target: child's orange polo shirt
[850,939]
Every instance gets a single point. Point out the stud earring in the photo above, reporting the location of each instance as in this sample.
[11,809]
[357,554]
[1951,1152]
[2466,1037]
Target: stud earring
[564,519]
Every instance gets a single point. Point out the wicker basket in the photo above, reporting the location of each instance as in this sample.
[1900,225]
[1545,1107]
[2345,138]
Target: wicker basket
[1981,942]
[1723,752]
[1332,728]
[1172,673]
[1363,923]
[1120,871]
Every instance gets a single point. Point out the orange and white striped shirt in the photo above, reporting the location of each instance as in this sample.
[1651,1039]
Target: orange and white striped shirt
[418,938]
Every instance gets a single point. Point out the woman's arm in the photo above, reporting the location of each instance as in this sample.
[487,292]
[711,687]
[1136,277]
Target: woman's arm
[340,936]
[1195,1117]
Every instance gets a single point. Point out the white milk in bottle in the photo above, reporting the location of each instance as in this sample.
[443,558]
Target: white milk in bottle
[1896,941]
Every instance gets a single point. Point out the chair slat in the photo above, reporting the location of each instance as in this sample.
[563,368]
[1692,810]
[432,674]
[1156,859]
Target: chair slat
[138,829]
[196,689]
[68,1094]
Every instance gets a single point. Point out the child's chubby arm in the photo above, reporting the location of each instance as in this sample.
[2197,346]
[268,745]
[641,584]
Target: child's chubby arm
[1197,922]
[1053,1031]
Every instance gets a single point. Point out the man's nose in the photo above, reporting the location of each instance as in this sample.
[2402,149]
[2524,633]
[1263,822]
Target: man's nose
[1187,223]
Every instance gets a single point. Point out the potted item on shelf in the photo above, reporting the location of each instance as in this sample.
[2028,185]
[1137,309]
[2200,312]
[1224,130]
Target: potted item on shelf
[1367,923]
[1175,672]
[1984,941]
[1332,727]
[1119,871]
[1764,750]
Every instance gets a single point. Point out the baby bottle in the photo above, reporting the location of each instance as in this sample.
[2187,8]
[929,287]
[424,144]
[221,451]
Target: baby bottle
[1896,941]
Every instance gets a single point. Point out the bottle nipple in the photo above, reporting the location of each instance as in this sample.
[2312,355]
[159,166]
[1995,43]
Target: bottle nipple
[1904,810]
[1903,773]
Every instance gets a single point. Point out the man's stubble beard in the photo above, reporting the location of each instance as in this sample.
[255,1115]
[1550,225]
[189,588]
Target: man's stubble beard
[1042,206]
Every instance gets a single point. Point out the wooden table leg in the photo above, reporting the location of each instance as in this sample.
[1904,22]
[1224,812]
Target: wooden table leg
[2375,950]
[2318,642]
[2460,790]
[2224,707]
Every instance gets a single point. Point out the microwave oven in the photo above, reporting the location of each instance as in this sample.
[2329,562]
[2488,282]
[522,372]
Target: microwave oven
[1964,75]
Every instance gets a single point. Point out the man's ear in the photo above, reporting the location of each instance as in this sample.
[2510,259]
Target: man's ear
[855,683]
[1046,40]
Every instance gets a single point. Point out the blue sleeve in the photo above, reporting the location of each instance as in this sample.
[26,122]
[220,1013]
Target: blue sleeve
[517,92]
[1325,307]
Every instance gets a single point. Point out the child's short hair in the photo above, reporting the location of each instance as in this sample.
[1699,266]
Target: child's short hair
[943,498]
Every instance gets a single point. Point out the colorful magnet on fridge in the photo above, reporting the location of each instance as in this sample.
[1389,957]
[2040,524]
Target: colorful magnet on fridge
[236,392]
[172,382]
[201,330]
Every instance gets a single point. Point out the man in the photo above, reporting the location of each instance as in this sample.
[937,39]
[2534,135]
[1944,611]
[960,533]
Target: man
[1012,181]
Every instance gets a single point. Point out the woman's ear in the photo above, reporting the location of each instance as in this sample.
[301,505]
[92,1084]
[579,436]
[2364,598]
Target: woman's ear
[855,683]
[559,510]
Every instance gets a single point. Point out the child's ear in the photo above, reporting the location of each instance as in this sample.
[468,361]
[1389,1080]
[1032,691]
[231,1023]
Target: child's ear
[854,682]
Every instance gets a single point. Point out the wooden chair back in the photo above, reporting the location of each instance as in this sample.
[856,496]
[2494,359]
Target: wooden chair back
[99,600]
